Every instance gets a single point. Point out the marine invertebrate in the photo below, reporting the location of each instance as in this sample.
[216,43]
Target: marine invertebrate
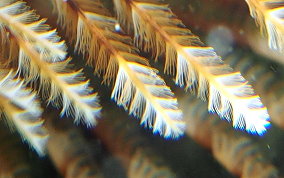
[157,29]
[38,55]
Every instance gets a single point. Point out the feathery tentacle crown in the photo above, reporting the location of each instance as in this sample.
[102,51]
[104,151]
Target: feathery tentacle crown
[42,55]
[157,30]
[137,86]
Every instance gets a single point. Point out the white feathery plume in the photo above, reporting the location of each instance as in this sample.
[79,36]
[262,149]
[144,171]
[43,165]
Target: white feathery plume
[269,16]
[23,111]
[137,87]
[158,30]
[42,56]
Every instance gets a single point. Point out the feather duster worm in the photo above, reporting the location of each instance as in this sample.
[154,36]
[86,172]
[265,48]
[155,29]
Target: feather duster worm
[158,30]
[42,55]
[267,83]
[137,86]
[23,110]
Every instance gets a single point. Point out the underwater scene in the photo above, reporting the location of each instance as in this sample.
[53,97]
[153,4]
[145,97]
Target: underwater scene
[142,88]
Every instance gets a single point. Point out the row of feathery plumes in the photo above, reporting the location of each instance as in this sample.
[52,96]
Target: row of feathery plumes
[35,52]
